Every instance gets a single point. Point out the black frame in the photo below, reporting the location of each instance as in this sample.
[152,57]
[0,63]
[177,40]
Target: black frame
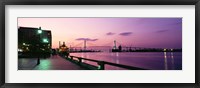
[3,3]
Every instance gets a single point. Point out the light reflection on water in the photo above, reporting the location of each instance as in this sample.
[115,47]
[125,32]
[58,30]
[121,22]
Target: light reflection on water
[148,60]
[165,57]
[172,57]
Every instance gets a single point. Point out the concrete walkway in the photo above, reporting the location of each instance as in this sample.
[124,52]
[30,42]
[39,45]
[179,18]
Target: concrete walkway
[53,63]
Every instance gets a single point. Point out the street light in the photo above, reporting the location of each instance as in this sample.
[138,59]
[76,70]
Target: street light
[39,31]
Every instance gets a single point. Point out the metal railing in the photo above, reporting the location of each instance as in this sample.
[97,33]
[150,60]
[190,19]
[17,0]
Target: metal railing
[101,64]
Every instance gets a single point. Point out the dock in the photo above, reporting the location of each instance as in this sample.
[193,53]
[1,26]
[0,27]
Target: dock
[57,62]
[53,63]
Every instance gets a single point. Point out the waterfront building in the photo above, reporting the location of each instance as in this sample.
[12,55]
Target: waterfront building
[34,41]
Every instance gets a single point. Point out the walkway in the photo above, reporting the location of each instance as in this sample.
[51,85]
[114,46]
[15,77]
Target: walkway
[53,63]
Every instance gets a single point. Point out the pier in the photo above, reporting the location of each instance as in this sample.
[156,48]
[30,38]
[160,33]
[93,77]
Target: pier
[57,62]
[53,63]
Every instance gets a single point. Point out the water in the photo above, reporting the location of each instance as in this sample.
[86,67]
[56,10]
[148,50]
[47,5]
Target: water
[147,60]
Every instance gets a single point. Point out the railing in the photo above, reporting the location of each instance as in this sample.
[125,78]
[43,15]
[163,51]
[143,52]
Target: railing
[101,64]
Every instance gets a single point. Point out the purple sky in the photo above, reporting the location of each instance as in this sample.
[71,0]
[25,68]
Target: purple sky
[139,32]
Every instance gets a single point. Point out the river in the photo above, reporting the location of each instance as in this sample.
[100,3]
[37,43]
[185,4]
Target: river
[147,60]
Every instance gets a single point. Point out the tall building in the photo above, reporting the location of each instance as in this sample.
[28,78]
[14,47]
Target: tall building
[34,41]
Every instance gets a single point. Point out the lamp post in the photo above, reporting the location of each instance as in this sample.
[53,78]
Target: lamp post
[39,42]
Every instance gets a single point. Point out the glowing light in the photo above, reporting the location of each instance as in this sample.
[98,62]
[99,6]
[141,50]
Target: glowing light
[165,60]
[24,43]
[99,67]
[39,31]
[45,40]
[164,50]
[20,50]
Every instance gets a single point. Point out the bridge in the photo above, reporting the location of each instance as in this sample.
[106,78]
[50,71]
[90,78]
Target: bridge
[114,45]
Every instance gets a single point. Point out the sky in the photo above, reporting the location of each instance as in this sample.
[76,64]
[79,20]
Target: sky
[135,32]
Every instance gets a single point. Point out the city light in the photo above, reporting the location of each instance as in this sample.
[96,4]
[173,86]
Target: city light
[39,31]
[45,40]
[20,50]
[164,50]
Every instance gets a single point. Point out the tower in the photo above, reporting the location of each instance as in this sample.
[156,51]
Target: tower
[115,46]
[59,44]
[84,44]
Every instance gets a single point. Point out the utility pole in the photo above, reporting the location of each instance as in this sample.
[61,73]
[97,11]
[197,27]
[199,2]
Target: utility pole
[39,31]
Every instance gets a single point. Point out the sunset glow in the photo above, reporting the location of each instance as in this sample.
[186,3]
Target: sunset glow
[140,32]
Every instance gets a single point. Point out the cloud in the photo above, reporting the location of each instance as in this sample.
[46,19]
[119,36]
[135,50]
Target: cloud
[125,33]
[161,31]
[87,39]
[110,33]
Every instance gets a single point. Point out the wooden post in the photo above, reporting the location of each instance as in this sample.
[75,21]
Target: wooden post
[102,65]
[66,56]
[79,60]
[71,57]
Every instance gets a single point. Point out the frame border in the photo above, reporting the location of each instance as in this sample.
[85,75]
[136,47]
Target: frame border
[3,3]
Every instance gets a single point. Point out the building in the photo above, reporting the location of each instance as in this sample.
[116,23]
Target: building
[34,42]
[115,49]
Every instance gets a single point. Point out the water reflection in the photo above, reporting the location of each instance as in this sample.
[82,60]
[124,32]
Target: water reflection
[148,60]
[117,59]
[165,59]
[85,55]
[172,57]
[169,64]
